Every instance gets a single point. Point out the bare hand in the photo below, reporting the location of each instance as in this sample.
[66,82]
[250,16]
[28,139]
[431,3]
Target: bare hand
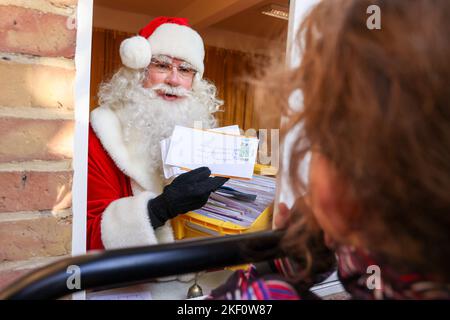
[281,217]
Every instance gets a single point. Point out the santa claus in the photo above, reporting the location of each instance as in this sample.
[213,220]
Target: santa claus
[161,85]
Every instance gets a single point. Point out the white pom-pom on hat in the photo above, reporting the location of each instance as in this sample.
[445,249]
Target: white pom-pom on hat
[135,52]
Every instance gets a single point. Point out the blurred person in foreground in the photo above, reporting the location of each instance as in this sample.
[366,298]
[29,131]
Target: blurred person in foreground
[376,123]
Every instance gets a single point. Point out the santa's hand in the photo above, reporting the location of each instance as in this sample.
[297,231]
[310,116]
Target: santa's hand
[189,191]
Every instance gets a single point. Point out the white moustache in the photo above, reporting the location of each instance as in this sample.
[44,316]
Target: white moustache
[175,91]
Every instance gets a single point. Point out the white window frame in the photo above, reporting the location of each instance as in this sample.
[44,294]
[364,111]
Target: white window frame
[80,153]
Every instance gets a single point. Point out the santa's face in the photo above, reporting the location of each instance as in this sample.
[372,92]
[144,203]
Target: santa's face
[173,72]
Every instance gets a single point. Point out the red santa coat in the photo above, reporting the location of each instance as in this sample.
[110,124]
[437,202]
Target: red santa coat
[119,188]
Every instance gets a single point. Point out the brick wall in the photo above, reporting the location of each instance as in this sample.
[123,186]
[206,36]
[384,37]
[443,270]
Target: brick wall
[37,73]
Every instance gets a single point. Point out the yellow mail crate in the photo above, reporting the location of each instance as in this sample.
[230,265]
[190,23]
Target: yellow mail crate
[265,170]
[192,225]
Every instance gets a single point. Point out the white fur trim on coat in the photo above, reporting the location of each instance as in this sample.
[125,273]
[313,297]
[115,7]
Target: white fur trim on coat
[125,223]
[107,127]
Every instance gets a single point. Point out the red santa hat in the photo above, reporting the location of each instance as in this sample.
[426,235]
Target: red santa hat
[164,35]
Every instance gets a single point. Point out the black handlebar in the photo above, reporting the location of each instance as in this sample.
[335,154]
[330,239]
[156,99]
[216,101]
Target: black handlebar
[122,267]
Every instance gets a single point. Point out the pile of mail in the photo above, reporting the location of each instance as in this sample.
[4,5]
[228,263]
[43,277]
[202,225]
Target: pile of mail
[227,207]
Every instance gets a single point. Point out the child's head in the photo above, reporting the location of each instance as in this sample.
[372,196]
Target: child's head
[376,118]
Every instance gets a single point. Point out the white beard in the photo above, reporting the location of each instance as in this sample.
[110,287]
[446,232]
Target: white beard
[147,119]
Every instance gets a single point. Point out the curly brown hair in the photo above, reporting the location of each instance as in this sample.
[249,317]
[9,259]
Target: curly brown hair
[375,102]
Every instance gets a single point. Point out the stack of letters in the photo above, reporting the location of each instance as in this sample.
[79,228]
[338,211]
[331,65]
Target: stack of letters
[226,207]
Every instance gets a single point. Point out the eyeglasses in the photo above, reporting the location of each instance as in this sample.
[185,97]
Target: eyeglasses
[164,67]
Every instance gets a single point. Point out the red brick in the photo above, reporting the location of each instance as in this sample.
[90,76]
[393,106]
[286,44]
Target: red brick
[31,190]
[33,32]
[34,85]
[35,139]
[11,271]
[8,277]
[44,236]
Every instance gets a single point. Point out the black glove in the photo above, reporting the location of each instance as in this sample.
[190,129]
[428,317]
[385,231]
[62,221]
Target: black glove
[187,192]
